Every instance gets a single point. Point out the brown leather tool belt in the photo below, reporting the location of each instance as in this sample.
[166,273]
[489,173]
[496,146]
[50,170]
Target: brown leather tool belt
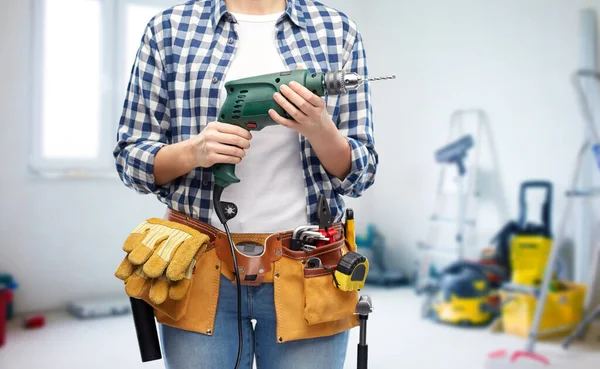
[253,269]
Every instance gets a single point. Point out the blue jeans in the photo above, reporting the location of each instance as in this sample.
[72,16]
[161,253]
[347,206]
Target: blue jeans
[190,350]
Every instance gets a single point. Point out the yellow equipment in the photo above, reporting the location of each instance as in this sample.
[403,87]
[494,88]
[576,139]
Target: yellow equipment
[349,230]
[531,244]
[463,311]
[461,296]
[563,310]
[351,272]
[528,258]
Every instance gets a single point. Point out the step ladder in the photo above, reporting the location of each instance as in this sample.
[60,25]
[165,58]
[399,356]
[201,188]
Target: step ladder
[587,85]
[449,230]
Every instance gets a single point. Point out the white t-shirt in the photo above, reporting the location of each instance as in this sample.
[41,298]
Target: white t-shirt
[271,195]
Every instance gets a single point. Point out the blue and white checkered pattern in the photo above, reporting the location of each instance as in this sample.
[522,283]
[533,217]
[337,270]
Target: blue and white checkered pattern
[174,89]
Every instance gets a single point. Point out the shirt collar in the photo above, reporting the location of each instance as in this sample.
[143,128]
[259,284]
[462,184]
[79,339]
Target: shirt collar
[293,11]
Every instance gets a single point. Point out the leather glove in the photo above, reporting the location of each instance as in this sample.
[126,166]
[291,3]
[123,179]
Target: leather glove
[160,288]
[161,253]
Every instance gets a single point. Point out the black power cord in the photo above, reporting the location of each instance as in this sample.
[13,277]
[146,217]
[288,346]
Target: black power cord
[218,190]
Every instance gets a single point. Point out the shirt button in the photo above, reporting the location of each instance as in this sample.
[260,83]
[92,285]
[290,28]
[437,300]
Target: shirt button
[215,80]
[230,40]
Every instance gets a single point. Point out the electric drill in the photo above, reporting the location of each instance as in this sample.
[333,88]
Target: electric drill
[249,100]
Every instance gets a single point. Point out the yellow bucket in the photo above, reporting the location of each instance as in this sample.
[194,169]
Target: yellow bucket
[562,313]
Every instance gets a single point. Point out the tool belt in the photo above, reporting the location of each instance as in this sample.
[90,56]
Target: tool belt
[254,269]
[184,289]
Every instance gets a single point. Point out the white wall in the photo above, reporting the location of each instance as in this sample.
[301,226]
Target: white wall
[511,58]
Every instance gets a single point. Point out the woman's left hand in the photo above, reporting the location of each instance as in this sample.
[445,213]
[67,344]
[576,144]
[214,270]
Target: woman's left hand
[310,118]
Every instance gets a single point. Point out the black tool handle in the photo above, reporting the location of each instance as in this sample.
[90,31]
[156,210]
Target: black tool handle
[145,329]
[363,357]
[363,348]
[546,207]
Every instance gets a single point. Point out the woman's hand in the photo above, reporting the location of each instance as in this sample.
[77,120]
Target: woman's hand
[312,120]
[310,116]
[217,143]
[220,143]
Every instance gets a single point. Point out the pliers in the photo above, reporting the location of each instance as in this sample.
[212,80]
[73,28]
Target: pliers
[323,213]
[325,221]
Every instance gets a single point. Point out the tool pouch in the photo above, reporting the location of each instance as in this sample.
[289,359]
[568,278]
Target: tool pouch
[323,302]
[307,302]
[198,310]
[252,269]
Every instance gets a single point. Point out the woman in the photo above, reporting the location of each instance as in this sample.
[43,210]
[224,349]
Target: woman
[169,139]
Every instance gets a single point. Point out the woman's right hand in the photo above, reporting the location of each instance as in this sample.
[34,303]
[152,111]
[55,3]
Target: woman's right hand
[220,143]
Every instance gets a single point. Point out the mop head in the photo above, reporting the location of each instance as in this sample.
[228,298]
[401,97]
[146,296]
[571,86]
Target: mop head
[502,359]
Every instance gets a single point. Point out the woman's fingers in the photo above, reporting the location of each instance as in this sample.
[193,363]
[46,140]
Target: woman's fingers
[225,159]
[295,98]
[228,150]
[283,121]
[294,112]
[306,95]
[232,139]
[233,129]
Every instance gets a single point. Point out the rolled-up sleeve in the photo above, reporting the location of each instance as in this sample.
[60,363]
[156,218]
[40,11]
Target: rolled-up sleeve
[356,124]
[144,120]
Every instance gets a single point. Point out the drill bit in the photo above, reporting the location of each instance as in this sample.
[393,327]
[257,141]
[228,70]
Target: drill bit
[381,78]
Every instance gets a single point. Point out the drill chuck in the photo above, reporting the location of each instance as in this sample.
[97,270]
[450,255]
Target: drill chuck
[340,82]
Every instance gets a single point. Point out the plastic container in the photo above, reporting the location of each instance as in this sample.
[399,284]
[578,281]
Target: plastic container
[5,296]
[7,281]
[562,313]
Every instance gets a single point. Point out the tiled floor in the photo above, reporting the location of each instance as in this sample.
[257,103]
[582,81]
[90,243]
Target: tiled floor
[397,339]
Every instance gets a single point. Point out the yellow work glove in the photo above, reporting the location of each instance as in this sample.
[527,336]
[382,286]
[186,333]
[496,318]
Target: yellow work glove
[160,288]
[161,253]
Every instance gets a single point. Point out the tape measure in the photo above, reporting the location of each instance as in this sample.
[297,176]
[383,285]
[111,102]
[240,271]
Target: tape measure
[351,272]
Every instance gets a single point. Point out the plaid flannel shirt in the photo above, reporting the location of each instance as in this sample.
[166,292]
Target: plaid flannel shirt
[173,93]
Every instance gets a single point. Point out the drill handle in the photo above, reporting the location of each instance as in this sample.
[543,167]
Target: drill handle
[224,174]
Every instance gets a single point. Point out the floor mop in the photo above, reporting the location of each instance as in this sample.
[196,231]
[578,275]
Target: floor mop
[528,358]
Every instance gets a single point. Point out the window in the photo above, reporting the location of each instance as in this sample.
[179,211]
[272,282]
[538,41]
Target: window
[83,54]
